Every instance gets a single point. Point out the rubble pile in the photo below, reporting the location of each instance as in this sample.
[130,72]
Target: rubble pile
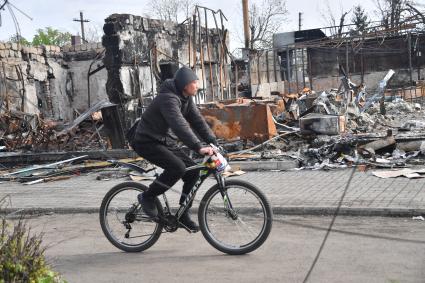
[343,127]
[27,132]
[387,141]
[399,115]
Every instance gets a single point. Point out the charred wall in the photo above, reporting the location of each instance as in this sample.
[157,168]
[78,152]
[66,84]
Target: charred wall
[371,55]
[48,80]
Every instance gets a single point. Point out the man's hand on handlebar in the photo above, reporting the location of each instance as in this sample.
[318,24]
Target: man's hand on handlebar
[206,151]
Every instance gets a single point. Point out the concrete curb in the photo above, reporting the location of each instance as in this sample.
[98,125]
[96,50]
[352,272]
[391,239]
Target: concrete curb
[277,210]
[349,211]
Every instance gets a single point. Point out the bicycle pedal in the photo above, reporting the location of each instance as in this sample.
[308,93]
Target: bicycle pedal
[190,231]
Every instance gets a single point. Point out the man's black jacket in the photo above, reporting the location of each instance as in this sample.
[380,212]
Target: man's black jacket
[171,110]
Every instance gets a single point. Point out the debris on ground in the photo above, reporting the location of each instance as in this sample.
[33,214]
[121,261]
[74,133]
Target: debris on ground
[233,173]
[340,128]
[68,168]
[25,132]
[241,119]
[408,173]
[316,123]
[418,218]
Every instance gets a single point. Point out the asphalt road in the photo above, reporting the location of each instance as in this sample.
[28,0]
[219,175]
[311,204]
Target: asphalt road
[359,249]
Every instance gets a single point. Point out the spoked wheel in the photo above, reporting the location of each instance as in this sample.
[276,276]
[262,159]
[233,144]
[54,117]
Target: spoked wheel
[238,222]
[124,223]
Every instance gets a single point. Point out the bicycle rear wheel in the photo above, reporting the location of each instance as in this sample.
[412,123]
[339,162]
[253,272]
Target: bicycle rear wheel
[123,221]
[237,222]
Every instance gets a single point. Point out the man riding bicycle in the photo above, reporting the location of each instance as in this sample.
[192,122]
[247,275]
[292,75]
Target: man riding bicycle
[173,108]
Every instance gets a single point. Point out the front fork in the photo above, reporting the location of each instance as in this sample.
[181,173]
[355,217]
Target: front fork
[226,200]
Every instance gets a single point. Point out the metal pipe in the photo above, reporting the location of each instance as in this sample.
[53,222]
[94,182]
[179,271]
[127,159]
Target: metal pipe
[347,65]
[220,57]
[310,75]
[288,69]
[236,79]
[361,66]
[409,51]
[221,73]
[150,67]
[194,41]
[258,72]
[226,78]
[296,68]
[209,55]
[201,47]
[267,66]
[303,63]
[223,39]
[274,65]
[5,86]
[216,67]
[21,79]
[246,22]
[190,43]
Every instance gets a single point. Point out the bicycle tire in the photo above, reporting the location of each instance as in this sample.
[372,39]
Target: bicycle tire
[207,211]
[105,225]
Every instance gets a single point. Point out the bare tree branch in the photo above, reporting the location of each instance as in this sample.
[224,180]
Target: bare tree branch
[93,33]
[394,13]
[266,17]
[330,18]
[172,10]
[421,15]
[341,22]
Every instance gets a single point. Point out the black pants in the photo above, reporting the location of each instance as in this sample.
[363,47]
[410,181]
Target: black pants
[174,162]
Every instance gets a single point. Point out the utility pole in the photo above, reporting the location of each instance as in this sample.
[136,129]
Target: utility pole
[246,22]
[299,20]
[82,21]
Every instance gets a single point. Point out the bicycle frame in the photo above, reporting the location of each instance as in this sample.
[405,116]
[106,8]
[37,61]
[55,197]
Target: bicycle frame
[204,173]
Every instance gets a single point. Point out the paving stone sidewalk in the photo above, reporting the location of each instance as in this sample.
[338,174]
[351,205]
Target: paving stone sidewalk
[291,192]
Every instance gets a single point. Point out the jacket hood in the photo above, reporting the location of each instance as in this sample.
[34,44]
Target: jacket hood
[169,86]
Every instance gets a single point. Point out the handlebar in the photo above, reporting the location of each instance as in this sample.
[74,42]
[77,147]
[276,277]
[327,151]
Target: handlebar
[218,149]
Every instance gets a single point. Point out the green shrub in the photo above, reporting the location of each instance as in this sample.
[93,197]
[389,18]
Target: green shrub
[22,255]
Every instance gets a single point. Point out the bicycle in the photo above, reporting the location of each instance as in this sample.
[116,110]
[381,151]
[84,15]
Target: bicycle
[228,210]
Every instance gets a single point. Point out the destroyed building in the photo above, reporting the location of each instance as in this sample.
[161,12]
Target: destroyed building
[44,87]
[311,59]
[47,80]
[141,53]
[136,55]
[314,93]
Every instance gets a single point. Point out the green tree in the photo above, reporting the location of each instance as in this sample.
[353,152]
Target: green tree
[51,36]
[360,19]
[19,39]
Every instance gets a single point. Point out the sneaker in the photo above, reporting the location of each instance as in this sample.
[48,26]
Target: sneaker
[187,222]
[148,205]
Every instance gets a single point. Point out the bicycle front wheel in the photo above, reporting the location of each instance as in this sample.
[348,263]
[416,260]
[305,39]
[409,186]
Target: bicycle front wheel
[237,220]
[123,221]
